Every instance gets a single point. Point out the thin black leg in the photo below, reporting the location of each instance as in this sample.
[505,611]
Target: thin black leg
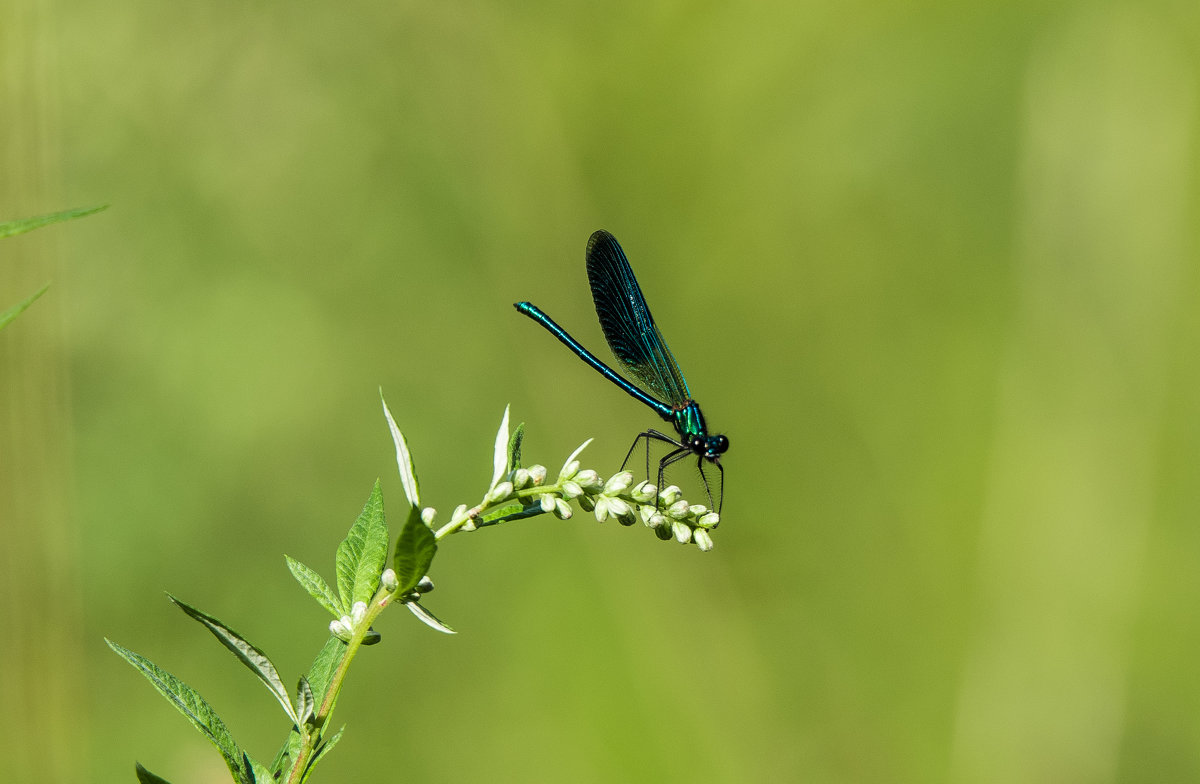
[673,457]
[704,477]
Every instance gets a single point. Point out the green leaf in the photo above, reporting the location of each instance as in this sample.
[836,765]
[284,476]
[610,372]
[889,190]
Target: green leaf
[146,777]
[500,453]
[317,587]
[428,618]
[262,775]
[12,228]
[17,309]
[415,548]
[305,702]
[249,655]
[324,666]
[509,512]
[514,447]
[194,708]
[362,554]
[404,461]
[322,750]
[288,752]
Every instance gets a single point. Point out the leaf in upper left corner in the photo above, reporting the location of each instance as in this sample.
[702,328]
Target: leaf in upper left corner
[14,227]
[17,309]
[362,554]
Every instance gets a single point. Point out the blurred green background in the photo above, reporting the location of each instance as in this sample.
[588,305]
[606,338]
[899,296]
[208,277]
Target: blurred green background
[932,267]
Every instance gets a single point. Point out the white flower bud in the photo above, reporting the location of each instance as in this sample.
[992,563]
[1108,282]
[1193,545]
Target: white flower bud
[703,540]
[537,474]
[617,483]
[427,515]
[562,510]
[683,534]
[588,478]
[500,492]
[571,489]
[389,580]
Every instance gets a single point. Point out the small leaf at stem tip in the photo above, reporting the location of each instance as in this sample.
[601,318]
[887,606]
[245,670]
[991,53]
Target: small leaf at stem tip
[571,459]
[500,456]
[429,618]
[404,462]
[514,447]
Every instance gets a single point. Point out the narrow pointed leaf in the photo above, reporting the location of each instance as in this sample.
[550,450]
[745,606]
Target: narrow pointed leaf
[324,666]
[194,708]
[404,461]
[362,554]
[250,655]
[12,228]
[500,455]
[576,453]
[17,309]
[262,775]
[322,750]
[146,777]
[428,618]
[317,587]
[514,447]
[415,548]
[509,512]
[287,752]
[305,702]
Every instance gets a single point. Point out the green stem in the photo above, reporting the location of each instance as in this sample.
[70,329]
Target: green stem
[529,492]
[325,709]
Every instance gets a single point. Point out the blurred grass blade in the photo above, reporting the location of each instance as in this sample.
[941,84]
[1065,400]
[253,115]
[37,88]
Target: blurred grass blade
[500,455]
[16,310]
[250,655]
[195,708]
[362,554]
[408,473]
[317,587]
[428,618]
[146,777]
[12,228]
[415,549]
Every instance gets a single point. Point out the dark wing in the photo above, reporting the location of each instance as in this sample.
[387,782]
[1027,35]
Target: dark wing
[628,326]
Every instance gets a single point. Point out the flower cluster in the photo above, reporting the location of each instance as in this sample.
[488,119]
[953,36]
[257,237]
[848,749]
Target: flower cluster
[665,512]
